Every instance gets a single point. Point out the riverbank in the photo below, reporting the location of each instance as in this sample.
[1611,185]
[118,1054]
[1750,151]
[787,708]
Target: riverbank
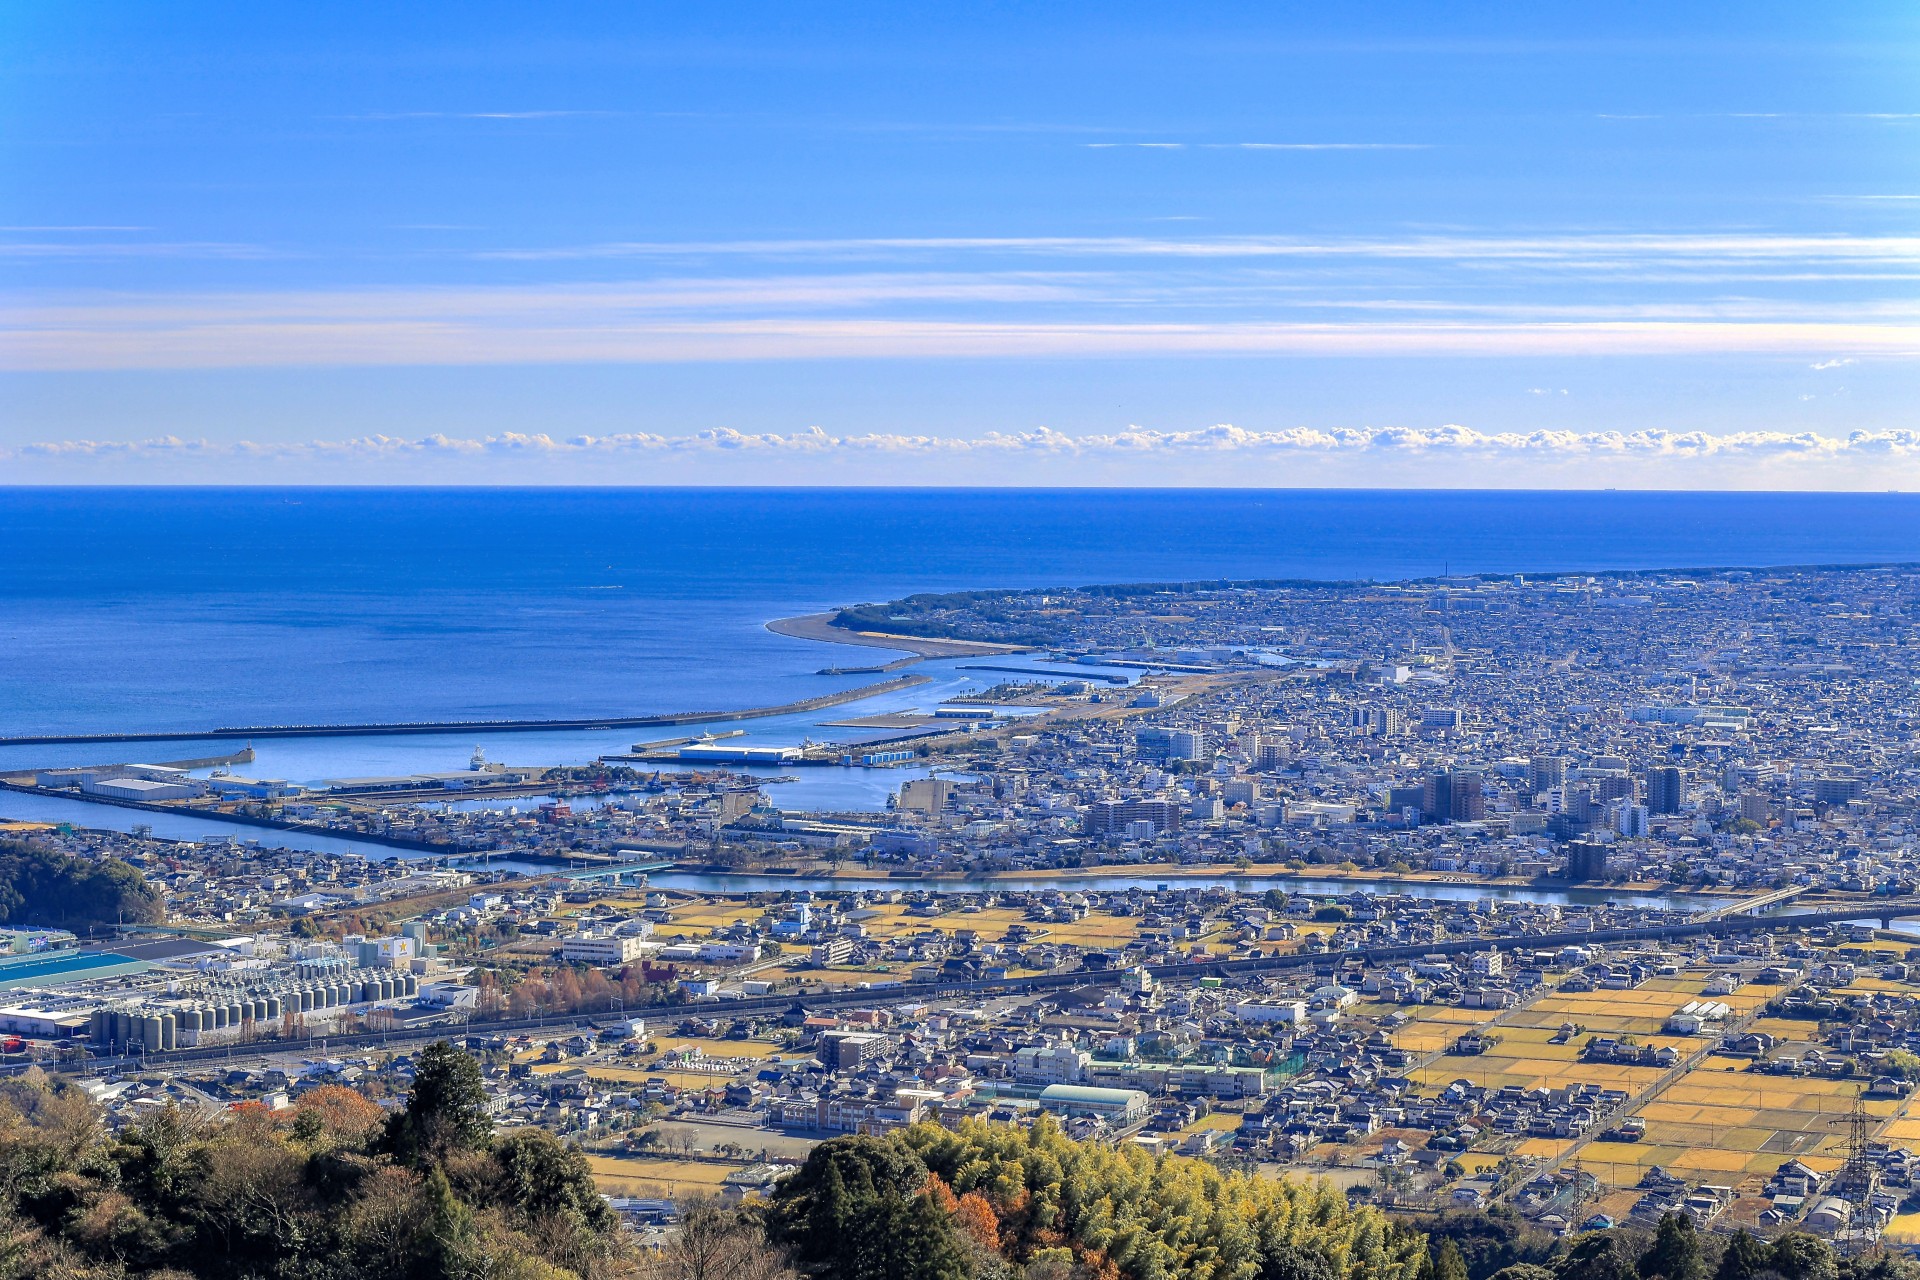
[819,626]
[244,820]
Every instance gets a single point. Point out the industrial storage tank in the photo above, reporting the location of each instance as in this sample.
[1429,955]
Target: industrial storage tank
[273,1008]
[304,999]
[190,1021]
[413,985]
[169,1032]
[150,1033]
[123,1029]
[219,1017]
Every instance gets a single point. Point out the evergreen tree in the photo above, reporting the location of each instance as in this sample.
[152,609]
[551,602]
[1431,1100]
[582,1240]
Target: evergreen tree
[1524,1271]
[860,1209]
[1447,1262]
[1745,1257]
[1799,1256]
[446,1109]
[1602,1255]
[1674,1253]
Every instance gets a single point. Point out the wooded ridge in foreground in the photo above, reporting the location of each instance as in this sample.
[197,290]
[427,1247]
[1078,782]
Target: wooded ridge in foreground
[338,1188]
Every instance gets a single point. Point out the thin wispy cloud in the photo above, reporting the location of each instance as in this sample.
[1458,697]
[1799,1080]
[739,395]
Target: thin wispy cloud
[1262,146]
[544,114]
[84,249]
[391,329]
[1567,250]
[1832,364]
[1725,293]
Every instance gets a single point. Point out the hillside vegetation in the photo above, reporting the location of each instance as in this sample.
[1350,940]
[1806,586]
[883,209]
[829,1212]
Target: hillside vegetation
[40,886]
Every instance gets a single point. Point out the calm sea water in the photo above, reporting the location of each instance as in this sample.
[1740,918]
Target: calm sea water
[176,609]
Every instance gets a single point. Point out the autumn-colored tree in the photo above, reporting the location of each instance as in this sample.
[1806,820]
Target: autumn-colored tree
[344,1116]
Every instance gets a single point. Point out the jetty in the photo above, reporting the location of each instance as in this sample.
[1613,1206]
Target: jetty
[251,732]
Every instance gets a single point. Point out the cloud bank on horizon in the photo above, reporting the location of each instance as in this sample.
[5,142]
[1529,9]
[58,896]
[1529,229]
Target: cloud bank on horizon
[1622,248]
[1445,457]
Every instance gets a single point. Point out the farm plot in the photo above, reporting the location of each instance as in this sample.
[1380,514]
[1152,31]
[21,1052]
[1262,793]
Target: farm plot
[1722,1125]
[618,1176]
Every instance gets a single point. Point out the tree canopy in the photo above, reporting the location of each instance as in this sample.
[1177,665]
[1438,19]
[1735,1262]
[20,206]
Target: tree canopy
[42,886]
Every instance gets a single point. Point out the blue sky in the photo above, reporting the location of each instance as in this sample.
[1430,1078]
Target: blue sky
[1528,244]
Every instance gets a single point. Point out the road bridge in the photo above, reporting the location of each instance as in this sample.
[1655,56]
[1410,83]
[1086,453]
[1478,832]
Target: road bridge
[1755,906]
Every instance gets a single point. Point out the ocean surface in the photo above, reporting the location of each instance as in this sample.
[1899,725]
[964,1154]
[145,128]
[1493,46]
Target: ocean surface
[172,609]
[182,609]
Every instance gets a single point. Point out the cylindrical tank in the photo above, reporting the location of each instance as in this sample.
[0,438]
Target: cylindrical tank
[220,1021]
[96,1026]
[150,1033]
[191,1021]
[306,999]
[273,1008]
[123,1030]
[364,991]
[386,988]
[254,1010]
[169,1032]
[233,1013]
[413,985]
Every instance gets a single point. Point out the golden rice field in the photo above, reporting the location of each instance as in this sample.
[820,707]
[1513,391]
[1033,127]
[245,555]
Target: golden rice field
[1724,1125]
[716,1048]
[654,1177]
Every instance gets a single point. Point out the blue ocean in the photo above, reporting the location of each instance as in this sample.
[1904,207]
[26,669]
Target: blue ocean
[178,609]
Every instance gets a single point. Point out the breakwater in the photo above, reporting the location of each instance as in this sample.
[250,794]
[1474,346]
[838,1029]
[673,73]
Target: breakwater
[481,726]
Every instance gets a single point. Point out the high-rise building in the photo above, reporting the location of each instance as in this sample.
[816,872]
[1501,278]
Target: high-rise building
[1586,861]
[1153,742]
[1240,790]
[1187,744]
[1454,795]
[1380,722]
[1666,788]
[1833,791]
[1111,817]
[1469,796]
[1545,773]
[1612,786]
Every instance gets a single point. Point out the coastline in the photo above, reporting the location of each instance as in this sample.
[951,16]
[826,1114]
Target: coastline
[819,627]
